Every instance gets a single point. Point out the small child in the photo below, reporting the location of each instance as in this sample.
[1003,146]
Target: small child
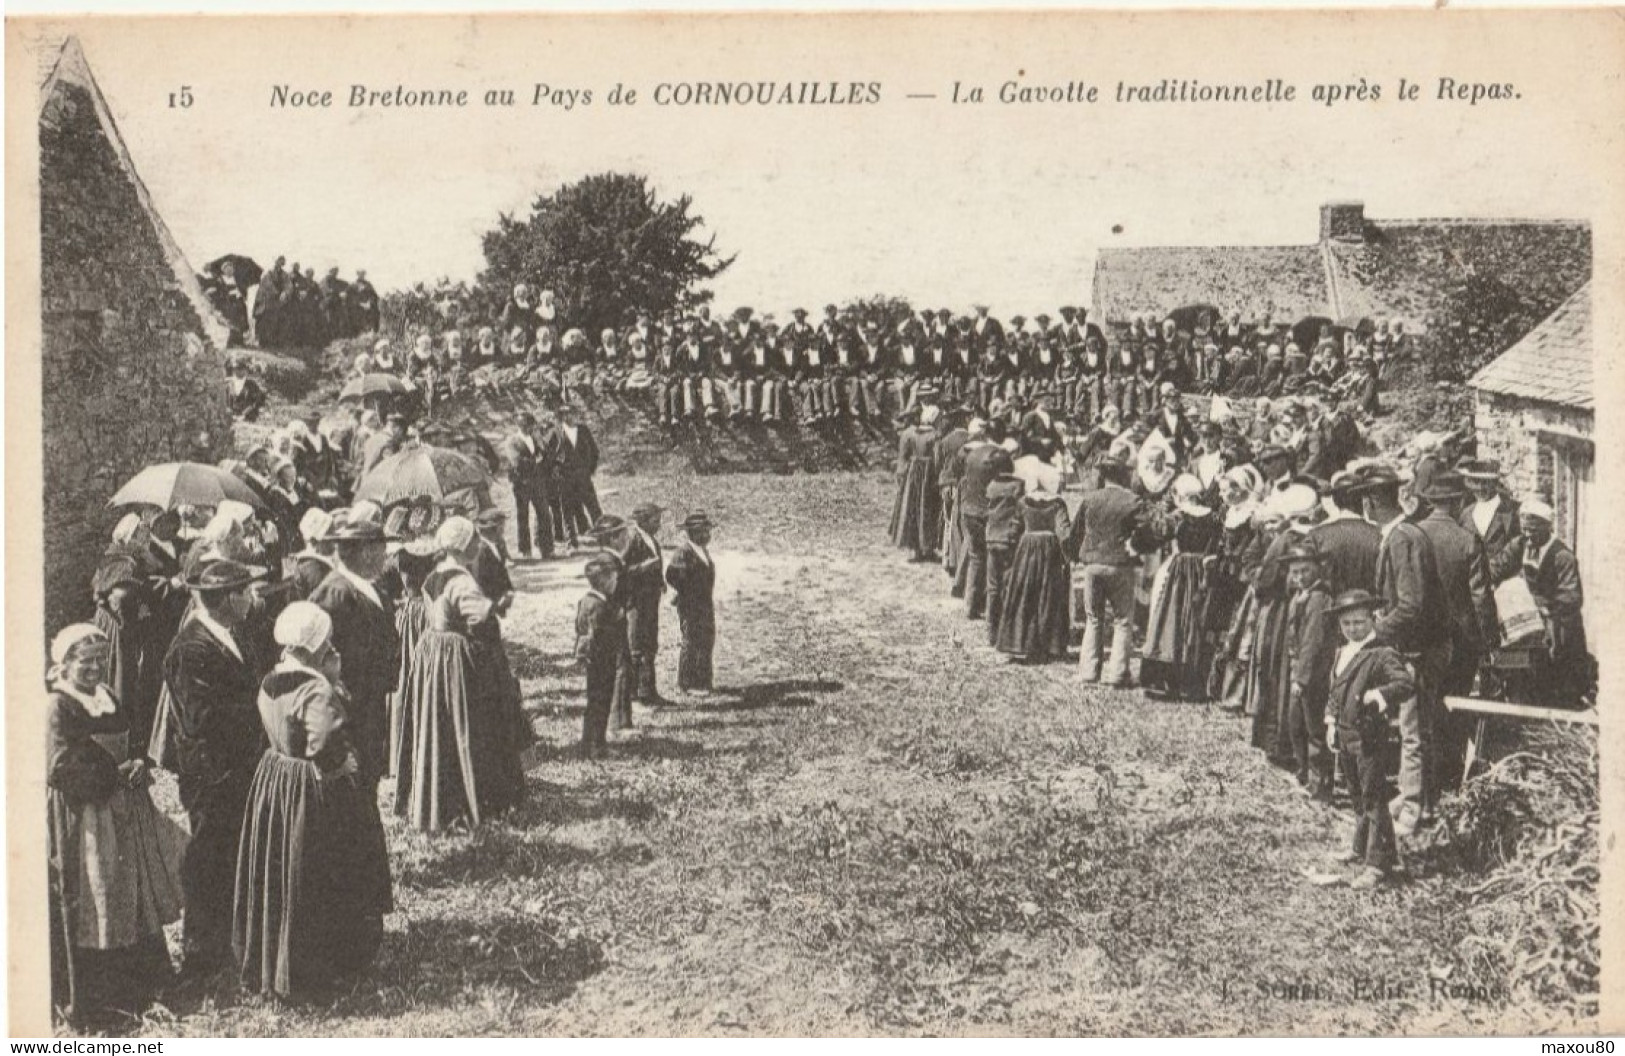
[600,641]
[1368,682]
[1311,648]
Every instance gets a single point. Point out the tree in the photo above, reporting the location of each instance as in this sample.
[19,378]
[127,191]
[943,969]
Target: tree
[606,248]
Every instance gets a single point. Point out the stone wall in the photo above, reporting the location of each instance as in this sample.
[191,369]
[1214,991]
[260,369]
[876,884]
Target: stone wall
[129,379]
[1510,430]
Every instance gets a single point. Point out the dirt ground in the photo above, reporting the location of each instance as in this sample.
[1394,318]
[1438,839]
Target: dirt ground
[879,825]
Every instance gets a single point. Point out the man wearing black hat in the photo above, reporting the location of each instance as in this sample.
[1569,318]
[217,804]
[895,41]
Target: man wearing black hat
[528,473]
[1464,574]
[213,672]
[692,576]
[1348,541]
[1493,517]
[643,583]
[1414,621]
[600,646]
[364,635]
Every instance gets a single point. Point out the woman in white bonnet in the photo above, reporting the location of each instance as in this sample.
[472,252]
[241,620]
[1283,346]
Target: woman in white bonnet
[312,883]
[114,859]
[462,764]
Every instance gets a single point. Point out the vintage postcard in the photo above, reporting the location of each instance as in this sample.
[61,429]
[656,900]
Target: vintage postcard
[1055,523]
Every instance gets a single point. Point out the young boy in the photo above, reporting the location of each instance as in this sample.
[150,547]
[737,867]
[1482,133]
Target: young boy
[1368,682]
[1311,647]
[600,643]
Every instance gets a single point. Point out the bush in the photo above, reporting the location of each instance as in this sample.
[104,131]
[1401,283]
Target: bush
[1530,823]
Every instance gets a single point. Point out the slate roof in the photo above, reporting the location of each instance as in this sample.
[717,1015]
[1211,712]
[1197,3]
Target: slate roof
[1407,269]
[70,71]
[1398,269]
[1288,282]
[1553,362]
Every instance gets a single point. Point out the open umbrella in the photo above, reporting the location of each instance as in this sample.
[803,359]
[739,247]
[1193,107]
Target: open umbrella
[369,385]
[173,484]
[244,269]
[1306,331]
[437,473]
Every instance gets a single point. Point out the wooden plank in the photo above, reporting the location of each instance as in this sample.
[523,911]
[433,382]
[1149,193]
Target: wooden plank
[1475,706]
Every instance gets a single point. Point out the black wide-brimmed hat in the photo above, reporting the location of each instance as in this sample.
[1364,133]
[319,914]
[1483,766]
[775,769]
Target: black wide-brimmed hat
[222,574]
[1350,600]
[697,519]
[1303,550]
[1444,486]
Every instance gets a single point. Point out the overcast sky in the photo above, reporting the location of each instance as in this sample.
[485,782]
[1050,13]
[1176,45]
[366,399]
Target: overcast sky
[941,204]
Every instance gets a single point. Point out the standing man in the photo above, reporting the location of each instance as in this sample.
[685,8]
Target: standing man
[527,474]
[1553,576]
[693,576]
[978,462]
[952,436]
[364,635]
[1464,577]
[643,582]
[574,453]
[213,675]
[1101,542]
[1414,622]
[1348,541]
[1493,517]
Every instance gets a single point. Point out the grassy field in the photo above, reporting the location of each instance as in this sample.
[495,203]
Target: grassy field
[880,826]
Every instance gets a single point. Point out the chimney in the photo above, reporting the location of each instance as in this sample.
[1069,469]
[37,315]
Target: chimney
[1343,221]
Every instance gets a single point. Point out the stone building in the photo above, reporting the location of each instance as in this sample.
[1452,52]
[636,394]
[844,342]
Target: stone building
[1404,270]
[1533,413]
[131,354]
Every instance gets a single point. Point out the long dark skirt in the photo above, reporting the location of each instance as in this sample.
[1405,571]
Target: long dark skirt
[437,783]
[1264,677]
[1177,651]
[502,732]
[1235,655]
[313,880]
[916,520]
[1035,613]
[410,619]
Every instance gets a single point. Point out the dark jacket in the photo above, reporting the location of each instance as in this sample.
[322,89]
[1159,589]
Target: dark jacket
[216,720]
[644,579]
[1004,521]
[693,581]
[1376,666]
[1107,517]
[982,462]
[1312,639]
[1350,545]
[573,461]
[1464,575]
[1502,539]
[1408,581]
[369,650]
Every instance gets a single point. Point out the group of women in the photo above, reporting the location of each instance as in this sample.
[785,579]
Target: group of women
[376,651]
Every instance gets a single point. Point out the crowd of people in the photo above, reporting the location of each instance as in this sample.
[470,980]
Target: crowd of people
[284,659]
[288,307]
[287,657]
[867,363]
[1333,600]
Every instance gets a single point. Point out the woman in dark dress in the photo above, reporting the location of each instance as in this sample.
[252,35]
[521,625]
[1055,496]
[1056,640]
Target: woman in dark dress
[1178,647]
[462,762]
[1035,614]
[114,859]
[313,880]
[916,519]
[123,615]
[412,564]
